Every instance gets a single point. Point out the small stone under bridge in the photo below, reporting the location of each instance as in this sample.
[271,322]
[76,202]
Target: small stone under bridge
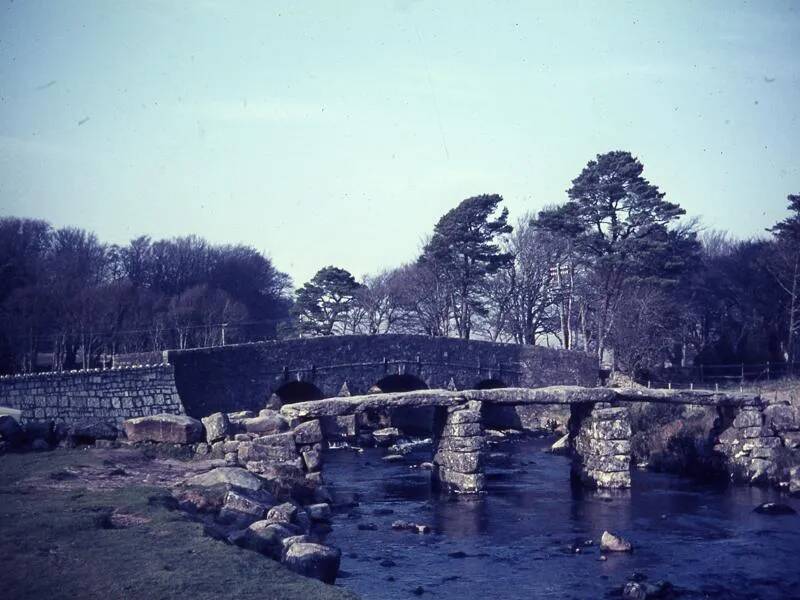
[599,425]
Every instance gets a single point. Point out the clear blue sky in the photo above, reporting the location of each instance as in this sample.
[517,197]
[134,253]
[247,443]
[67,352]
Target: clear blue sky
[338,132]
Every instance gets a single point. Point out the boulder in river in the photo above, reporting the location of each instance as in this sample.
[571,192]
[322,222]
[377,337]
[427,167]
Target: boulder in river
[408,526]
[164,428]
[561,446]
[313,560]
[775,508]
[386,437]
[612,543]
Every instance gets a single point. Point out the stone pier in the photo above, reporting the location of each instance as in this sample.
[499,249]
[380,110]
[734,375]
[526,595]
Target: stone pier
[754,439]
[458,447]
[600,440]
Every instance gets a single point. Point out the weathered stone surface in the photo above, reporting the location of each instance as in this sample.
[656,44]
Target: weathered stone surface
[312,459]
[612,480]
[609,463]
[755,432]
[606,447]
[252,452]
[462,482]
[237,416]
[611,430]
[319,512]
[386,436]
[239,506]
[309,432]
[782,417]
[463,444]
[612,543]
[794,481]
[462,430]
[268,422]
[218,427]
[230,446]
[164,428]
[791,439]
[282,513]
[463,462]
[233,476]
[272,470]
[313,560]
[267,538]
[465,416]
[748,418]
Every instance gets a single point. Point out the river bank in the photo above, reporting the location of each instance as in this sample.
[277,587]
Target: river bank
[87,523]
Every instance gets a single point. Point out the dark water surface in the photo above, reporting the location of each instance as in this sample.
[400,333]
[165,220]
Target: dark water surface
[518,539]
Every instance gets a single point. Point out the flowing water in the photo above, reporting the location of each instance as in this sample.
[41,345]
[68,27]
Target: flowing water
[518,540]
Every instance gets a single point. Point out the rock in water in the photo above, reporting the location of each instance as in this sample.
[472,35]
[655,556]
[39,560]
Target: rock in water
[386,437]
[232,476]
[612,543]
[313,560]
[561,446]
[164,428]
[218,427]
[775,508]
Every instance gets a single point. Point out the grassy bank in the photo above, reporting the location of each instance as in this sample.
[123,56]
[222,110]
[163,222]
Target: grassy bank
[61,540]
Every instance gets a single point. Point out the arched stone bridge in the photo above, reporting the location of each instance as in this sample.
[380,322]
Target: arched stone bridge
[244,376]
[599,424]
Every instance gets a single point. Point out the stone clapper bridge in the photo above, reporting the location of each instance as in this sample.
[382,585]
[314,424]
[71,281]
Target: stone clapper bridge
[599,424]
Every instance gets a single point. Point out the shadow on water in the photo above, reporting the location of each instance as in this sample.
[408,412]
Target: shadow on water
[520,538]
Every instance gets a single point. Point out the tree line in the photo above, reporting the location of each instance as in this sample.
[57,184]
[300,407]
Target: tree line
[66,295]
[617,270]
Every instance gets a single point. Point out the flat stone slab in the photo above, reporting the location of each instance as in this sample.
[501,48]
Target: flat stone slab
[559,394]
[164,428]
[233,476]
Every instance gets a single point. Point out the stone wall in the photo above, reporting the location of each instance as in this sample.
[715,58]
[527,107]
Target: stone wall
[760,445]
[92,396]
[243,377]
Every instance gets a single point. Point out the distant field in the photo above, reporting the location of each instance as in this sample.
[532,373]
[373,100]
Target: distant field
[58,540]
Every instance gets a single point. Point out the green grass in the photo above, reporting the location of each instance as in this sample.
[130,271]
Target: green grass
[59,543]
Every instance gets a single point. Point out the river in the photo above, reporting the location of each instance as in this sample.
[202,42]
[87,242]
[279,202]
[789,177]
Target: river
[518,540]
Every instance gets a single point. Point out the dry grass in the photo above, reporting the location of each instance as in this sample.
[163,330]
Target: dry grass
[84,524]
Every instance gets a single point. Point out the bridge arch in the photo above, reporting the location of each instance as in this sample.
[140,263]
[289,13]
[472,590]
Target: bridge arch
[298,391]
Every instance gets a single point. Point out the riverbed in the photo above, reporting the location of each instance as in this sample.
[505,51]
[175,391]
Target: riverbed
[532,535]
